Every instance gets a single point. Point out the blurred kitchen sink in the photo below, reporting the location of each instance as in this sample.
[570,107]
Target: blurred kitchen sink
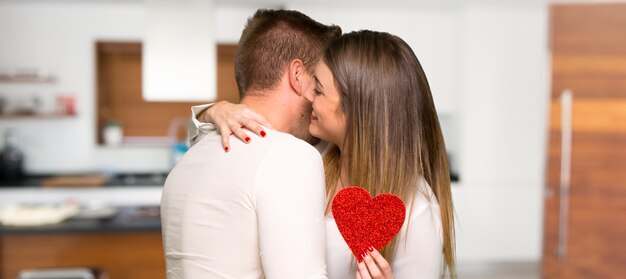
[137,179]
[88,180]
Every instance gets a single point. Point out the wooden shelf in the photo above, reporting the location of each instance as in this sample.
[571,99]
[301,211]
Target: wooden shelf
[35,116]
[26,79]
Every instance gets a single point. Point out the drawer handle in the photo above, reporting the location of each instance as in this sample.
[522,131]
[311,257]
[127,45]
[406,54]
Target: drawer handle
[566,161]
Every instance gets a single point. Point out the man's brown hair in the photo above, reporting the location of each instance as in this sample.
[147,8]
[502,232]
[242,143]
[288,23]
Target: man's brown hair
[274,38]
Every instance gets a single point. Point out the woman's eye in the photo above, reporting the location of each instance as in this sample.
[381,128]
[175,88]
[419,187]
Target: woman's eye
[317,92]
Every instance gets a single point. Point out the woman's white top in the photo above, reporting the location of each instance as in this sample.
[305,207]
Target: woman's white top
[419,251]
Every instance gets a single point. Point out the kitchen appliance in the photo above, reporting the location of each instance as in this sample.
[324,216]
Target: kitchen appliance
[63,273]
[11,158]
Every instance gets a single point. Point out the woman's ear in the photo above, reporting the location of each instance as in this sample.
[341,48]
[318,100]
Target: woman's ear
[296,71]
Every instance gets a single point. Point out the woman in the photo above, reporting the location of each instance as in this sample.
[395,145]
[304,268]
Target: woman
[372,102]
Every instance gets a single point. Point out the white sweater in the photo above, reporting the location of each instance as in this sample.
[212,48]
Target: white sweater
[254,212]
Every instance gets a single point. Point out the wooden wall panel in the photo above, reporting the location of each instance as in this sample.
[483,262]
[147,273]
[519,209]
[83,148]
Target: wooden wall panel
[132,255]
[588,28]
[597,164]
[588,45]
[119,91]
[589,65]
[590,86]
[595,240]
[593,115]
[226,84]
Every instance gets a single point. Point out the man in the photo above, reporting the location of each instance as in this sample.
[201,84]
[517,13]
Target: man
[256,211]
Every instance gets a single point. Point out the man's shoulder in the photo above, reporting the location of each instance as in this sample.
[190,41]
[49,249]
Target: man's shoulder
[275,148]
[288,145]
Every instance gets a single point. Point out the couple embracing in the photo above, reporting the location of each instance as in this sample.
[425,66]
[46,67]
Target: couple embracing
[259,206]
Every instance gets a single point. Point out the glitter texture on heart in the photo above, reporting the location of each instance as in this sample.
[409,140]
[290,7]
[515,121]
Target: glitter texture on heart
[364,221]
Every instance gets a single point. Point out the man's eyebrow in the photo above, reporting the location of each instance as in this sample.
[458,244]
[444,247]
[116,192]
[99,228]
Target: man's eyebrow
[318,81]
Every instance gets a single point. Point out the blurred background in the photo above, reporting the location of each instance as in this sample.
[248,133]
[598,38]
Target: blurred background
[94,107]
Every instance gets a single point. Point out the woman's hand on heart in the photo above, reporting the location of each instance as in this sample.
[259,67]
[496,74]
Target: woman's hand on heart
[373,266]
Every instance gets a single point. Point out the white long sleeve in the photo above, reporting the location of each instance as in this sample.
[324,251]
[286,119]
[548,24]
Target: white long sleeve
[419,253]
[419,250]
[197,130]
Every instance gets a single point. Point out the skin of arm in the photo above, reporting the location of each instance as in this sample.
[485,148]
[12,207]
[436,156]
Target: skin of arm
[227,119]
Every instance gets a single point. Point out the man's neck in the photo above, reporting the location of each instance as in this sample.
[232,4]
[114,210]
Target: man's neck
[268,105]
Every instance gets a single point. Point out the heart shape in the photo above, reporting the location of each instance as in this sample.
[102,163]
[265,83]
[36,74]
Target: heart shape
[364,221]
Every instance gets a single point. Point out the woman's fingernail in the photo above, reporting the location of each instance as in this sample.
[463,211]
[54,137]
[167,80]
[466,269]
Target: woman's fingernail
[371,249]
[360,259]
[263,133]
[248,139]
[226,148]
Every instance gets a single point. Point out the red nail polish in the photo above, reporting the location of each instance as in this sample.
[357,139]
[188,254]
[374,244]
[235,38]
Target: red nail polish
[247,139]
[226,148]
[263,133]
[359,259]
[371,249]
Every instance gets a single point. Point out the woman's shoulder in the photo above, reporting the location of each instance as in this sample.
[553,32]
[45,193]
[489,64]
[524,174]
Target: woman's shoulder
[420,242]
[424,205]
[278,144]
[424,193]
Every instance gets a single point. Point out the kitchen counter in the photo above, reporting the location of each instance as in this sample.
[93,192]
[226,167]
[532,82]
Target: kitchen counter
[125,245]
[136,196]
[127,219]
[117,180]
[119,196]
[128,245]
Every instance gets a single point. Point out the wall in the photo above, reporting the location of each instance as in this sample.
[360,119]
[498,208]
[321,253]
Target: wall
[60,37]
[61,30]
[431,32]
[504,94]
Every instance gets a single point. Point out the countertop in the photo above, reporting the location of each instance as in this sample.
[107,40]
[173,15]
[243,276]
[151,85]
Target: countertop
[127,219]
[117,180]
[136,196]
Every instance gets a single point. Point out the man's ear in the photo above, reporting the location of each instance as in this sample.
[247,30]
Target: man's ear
[296,72]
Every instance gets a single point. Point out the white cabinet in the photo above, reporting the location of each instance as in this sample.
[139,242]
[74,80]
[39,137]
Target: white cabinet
[504,94]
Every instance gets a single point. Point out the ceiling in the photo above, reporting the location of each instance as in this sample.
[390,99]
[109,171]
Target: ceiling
[416,3]
[364,3]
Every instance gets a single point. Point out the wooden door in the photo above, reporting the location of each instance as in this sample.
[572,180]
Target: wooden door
[585,219]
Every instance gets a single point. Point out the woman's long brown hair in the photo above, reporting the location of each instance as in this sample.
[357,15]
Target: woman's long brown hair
[393,135]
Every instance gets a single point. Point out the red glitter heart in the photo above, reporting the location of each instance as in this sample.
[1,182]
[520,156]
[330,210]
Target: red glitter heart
[365,222]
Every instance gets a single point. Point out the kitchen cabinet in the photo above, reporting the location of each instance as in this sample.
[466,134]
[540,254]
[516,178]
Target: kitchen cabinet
[121,254]
[127,246]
